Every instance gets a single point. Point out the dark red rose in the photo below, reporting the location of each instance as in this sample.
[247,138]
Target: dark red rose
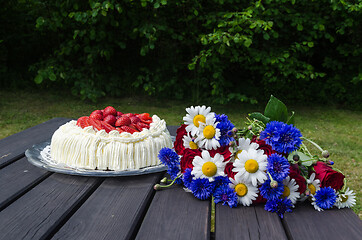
[328,176]
[259,199]
[294,173]
[263,146]
[188,157]
[229,170]
[179,144]
[224,151]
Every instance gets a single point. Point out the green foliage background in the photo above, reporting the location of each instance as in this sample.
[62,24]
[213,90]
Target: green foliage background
[217,50]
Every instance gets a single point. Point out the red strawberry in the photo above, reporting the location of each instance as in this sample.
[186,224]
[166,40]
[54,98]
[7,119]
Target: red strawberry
[109,111]
[143,125]
[128,114]
[144,116]
[123,121]
[95,123]
[83,122]
[110,119]
[97,116]
[97,112]
[120,130]
[134,127]
[128,129]
[107,127]
[119,113]
[134,119]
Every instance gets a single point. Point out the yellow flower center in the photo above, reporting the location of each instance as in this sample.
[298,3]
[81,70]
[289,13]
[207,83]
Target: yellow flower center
[251,166]
[241,189]
[199,118]
[209,132]
[193,145]
[286,192]
[312,188]
[238,153]
[344,198]
[209,169]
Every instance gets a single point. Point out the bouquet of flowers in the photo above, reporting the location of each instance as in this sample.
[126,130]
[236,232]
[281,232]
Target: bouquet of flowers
[266,162]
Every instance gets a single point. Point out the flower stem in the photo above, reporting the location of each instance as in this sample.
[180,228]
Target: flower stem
[316,145]
[169,185]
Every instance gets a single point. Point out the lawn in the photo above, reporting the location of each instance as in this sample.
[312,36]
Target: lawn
[337,130]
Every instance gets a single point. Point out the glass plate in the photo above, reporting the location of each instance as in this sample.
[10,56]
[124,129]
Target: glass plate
[39,155]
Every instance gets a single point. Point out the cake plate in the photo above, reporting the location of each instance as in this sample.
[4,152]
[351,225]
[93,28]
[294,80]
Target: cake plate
[39,156]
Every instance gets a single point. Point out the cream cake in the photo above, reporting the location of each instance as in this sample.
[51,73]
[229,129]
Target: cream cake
[95,144]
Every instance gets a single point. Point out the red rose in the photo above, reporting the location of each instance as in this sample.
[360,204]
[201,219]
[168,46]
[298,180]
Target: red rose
[328,176]
[263,146]
[259,199]
[188,157]
[179,143]
[229,170]
[224,151]
[294,173]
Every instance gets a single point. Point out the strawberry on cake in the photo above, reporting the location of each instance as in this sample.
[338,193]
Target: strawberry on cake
[110,140]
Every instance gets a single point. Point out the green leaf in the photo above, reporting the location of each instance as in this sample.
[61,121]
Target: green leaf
[276,110]
[259,116]
[303,158]
[291,119]
[300,27]
[38,79]
[52,77]
[247,42]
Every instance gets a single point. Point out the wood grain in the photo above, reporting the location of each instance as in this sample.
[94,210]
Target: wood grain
[247,223]
[18,178]
[114,211]
[40,211]
[306,223]
[176,214]
[13,147]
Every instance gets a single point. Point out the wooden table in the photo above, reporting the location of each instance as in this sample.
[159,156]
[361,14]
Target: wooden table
[37,204]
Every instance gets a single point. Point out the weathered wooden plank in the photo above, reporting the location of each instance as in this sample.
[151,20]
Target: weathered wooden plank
[18,178]
[176,214]
[247,223]
[306,223]
[114,210]
[41,210]
[14,146]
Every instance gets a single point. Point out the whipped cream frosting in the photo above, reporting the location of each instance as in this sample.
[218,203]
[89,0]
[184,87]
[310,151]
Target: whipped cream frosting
[90,149]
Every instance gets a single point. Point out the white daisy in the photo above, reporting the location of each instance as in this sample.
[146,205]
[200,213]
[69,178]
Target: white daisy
[346,199]
[189,142]
[314,204]
[313,184]
[245,144]
[208,167]
[194,116]
[291,189]
[208,134]
[251,166]
[246,192]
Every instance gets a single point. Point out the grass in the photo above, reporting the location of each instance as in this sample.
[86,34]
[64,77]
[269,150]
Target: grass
[337,130]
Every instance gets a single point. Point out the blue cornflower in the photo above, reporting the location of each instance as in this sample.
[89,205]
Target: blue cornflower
[187,178]
[279,205]
[220,181]
[283,138]
[325,197]
[169,157]
[278,167]
[174,171]
[271,193]
[225,127]
[202,188]
[226,195]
